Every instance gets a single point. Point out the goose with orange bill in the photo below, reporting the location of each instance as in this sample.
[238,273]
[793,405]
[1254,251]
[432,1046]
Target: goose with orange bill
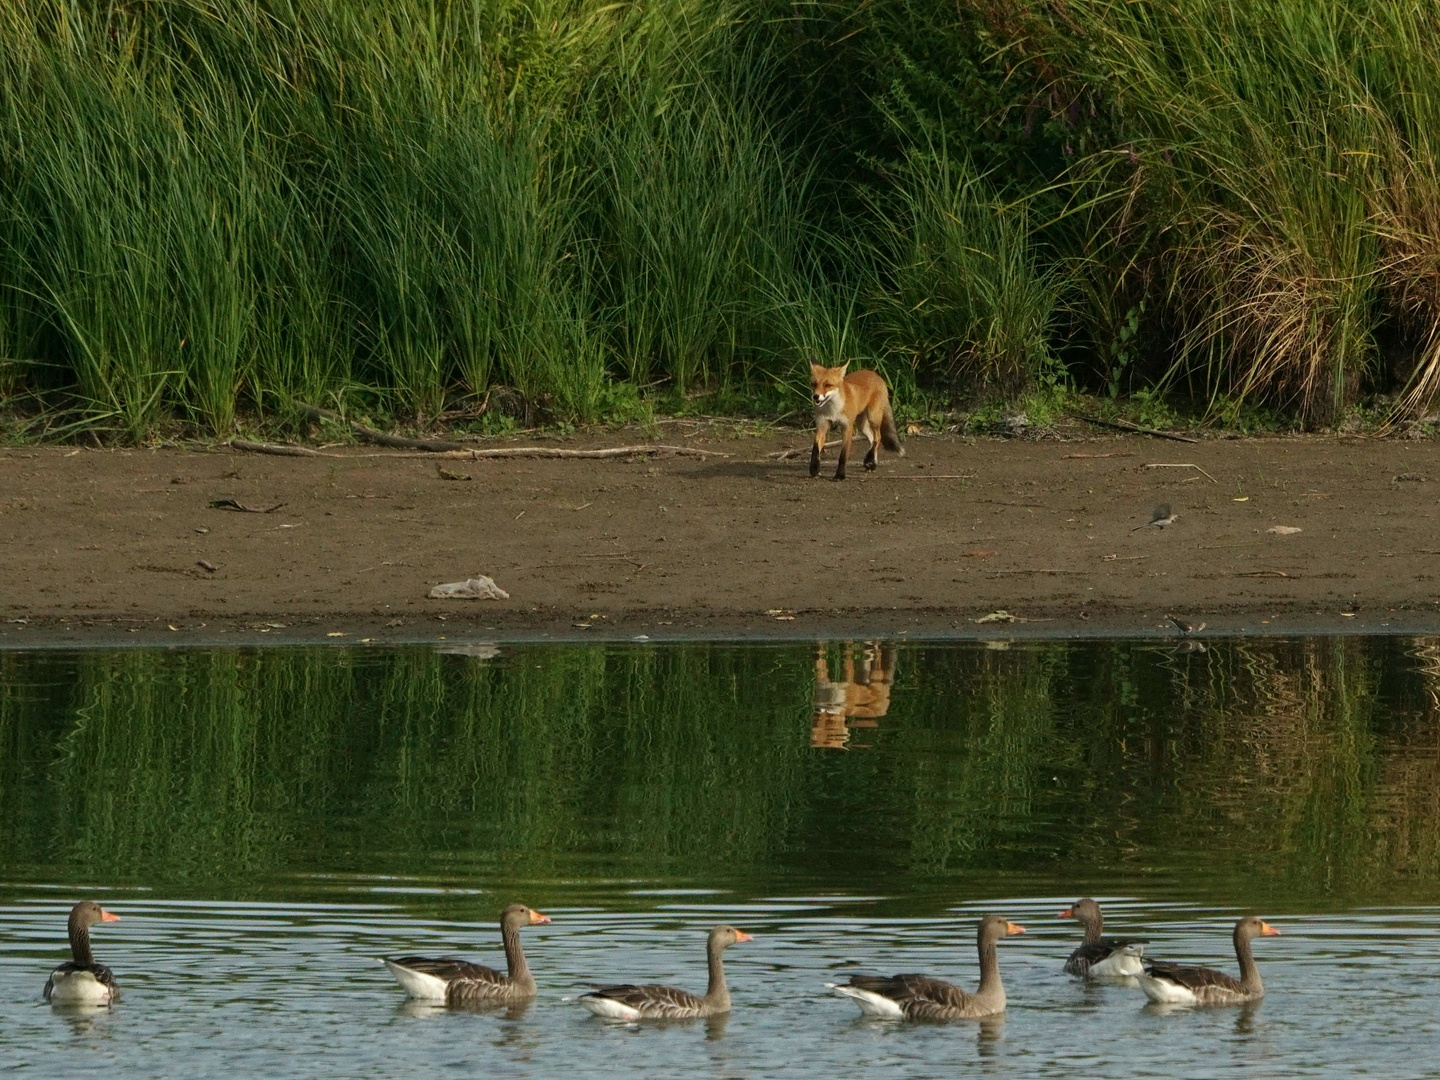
[1181,984]
[82,981]
[919,997]
[630,1002]
[450,981]
[1100,956]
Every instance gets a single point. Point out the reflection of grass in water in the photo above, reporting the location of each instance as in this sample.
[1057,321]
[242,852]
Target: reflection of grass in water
[1257,768]
[1260,768]
[639,756]
[208,765]
[978,736]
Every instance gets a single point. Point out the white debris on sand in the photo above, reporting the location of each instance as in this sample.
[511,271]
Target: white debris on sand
[481,588]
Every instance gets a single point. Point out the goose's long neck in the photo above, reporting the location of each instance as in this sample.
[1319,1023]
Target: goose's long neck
[1249,973]
[515,963]
[990,985]
[80,942]
[1093,926]
[717,992]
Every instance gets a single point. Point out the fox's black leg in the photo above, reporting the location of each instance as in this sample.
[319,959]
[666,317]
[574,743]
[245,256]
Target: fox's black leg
[844,453]
[821,430]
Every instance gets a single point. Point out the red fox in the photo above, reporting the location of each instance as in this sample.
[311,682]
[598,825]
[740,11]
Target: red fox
[847,401]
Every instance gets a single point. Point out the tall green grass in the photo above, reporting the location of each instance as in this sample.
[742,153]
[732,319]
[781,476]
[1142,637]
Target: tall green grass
[222,205]
[964,289]
[213,209]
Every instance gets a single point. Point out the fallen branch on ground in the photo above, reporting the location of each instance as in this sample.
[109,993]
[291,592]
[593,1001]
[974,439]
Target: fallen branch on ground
[1081,573]
[476,454]
[644,450]
[231,504]
[1125,425]
[369,434]
[279,449]
[928,475]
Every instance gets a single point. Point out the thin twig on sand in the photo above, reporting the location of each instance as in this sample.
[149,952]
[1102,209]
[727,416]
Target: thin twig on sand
[1180,465]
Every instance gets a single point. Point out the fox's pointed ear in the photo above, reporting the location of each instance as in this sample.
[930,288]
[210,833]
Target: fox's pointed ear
[816,369]
[842,367]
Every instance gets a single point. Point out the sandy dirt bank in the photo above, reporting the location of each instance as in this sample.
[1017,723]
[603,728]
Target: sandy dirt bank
[100,545]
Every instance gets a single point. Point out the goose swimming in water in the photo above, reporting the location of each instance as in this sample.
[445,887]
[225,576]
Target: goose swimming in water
[1101,956]
[1179,984]
[459,982]
[918,997]
[629,1002]
[82,981]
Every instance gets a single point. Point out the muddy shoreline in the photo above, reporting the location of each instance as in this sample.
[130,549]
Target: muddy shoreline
[106,547]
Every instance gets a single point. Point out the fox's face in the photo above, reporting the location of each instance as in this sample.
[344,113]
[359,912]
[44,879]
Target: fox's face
[826,382]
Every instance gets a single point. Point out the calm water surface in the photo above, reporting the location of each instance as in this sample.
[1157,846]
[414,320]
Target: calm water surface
[269,822]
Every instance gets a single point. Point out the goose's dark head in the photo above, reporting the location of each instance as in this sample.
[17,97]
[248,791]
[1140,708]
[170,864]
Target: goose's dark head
[722,937]
[518,915]
[87,913]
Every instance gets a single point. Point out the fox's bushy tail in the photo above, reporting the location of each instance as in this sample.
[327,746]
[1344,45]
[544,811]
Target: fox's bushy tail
[889,437]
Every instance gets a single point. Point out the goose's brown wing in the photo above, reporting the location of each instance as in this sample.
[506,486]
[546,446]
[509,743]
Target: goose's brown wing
[1194,978]
[465,983]
[919,996]
[654,1001]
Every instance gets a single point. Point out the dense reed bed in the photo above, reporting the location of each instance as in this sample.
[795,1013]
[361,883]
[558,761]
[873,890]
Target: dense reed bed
[222,208]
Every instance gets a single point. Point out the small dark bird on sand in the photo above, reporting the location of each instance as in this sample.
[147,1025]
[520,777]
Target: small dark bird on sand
[1190,644]
[1162,517]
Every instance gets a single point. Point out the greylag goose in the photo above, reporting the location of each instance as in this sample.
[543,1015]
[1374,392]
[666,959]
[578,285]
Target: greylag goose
[917,997]
[1177,984]
[629,1002]
[82,981]
[459,982]
[1101,956]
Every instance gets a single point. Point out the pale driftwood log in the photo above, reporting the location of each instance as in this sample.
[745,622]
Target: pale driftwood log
[925,476]
[279,449]
[369,434]
[642,450]
[1125,425]
[476,454]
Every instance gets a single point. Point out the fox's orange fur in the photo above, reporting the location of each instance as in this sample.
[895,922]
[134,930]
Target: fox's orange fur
[859,399]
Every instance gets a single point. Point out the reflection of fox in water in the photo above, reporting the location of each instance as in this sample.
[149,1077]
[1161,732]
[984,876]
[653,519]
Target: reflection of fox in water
[863,695]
